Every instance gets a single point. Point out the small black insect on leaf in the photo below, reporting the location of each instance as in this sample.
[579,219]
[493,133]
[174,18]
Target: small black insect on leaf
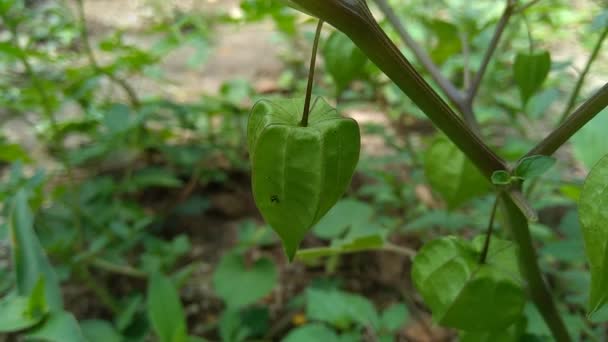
[274,199]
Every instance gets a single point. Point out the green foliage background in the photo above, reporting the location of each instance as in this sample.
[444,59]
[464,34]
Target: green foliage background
[126,212]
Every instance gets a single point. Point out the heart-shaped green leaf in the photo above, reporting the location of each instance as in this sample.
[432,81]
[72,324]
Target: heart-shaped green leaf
[464,294]
[593,215]
[299,173]
[531,70]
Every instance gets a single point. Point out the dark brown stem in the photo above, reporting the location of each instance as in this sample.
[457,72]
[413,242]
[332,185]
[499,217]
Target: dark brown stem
[528,263]
[311,75]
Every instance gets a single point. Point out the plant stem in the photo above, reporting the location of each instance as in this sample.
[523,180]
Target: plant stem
[311,74]
[500,28]
[486,244]
[101,292]
[581,78]
[131,94]
[448,88]
[587,111]
[356,21]
[528,263]
[119,269]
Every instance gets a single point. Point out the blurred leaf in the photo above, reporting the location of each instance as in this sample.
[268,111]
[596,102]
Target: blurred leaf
[343,60]
[17,315]
[29,259]
[13,152]
[236,91]
[600,21]
[593,216]
[533,166]
[512,334]
[100,331]
[464,294]
[60,326]
[340,309]
[117,118]
[440,219]
[154,177]
[539,104]
[452,175]
[590,143]
[237,325]
[165,309]
[239,285]
[531,70]
[344,215]
[394,317]
[312,332]
[448,40]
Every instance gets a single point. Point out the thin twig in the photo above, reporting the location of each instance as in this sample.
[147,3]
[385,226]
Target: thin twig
[466,56]
[526,6]
[311,74]
[486,245]
[119,269]
[500,28]
[131,94]
[581,78]
[452,93]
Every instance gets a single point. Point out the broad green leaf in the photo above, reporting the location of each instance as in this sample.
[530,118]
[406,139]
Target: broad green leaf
[299,173]
[100,331]
[530,71]
[312,332]
[60,326]
[29,259]
[340,309]
[240,285]
[394,317]
[590,143]
[512,334]
[343,60]
[533,166]
[593,215]
[452,175]
[17,315]
[165,309]
[344,215]
[464,294]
